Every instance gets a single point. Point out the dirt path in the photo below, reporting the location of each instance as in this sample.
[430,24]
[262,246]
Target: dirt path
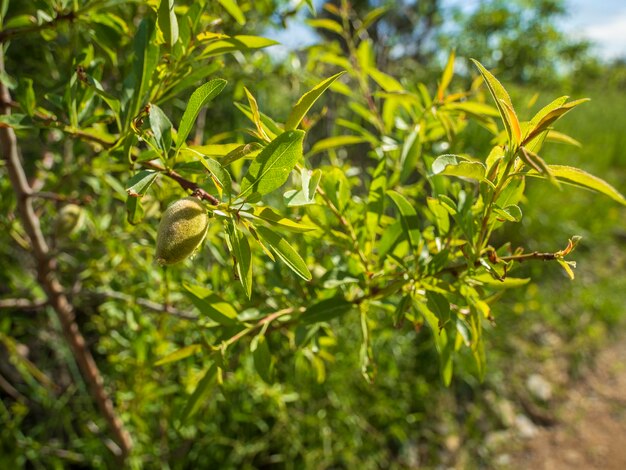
[591,433]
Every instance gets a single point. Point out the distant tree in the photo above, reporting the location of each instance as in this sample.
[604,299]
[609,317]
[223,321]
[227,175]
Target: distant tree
[521,39]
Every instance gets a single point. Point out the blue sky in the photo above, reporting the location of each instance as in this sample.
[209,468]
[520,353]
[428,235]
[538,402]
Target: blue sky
[601,21]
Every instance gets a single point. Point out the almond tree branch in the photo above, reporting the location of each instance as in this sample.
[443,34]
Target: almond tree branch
[48,279]
[10,33]
[183,182]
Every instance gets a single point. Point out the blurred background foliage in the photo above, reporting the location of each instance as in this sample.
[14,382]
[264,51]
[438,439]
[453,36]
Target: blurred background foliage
[314,413]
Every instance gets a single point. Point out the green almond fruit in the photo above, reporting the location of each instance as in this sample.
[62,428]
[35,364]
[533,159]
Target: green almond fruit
[182,229]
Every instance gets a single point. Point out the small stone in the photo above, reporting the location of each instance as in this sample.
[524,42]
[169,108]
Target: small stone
[539,387]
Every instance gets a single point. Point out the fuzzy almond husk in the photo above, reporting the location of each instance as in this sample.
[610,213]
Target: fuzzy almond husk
[182,229]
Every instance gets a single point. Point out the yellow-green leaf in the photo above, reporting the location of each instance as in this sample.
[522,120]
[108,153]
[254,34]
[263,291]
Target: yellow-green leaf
[285,252]
[501,98]
[307,100]
[578,177]
[271,168]
[233,10]
[454,165]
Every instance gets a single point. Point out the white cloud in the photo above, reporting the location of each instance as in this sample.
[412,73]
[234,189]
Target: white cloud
[610,36]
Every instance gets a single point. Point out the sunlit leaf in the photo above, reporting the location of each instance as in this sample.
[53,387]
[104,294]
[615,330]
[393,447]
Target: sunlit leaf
[139,183]
[179,354]
[578,177]
[233,10]
[278,220]
[408,215]
[240,250]
[271,168]
[307,100]
[167,22]
[326,310]
[502,100]
[198,99]
[285,252]
[211,305]
[199,394]
[454,165]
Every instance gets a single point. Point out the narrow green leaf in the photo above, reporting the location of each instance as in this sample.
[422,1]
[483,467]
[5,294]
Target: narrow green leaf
[473,108]
[134,210]
[26,96]
[578,177]
[372,16]
[385,81]
[240,250]
[278,220]
[242,151]
[454,165]
[307,100]
[198,99]
[211,305]
[326,310]
[270,127]
[537,163]
[161,128]
[336,185]
[179,354]
[376,199]
[311,6]
[325,23]
[335,142]
[16,121]
[560,138]
[233,10]
[199,394]
[408,216]
[502,100]
[544,120]
[446,77]
[443,341]
[199,73]
[235,43]
[167,22]
[306,195]
[271,168]
[285,252]
[146,59]
[110,100]
[510,213]
[262,357]
[441,214]
[219,175]
[256,116]
[139,183]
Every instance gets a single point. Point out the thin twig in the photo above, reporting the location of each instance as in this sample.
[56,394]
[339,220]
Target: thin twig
[183,182]
[22,304]
[48,279]
[9,33]
[149,304]
[263,321]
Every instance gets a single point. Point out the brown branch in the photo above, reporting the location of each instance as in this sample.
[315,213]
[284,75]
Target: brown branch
[535,255]
[10,33]
[149,304]
[263,321]
[48,279]
[22,304]
[183,182]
